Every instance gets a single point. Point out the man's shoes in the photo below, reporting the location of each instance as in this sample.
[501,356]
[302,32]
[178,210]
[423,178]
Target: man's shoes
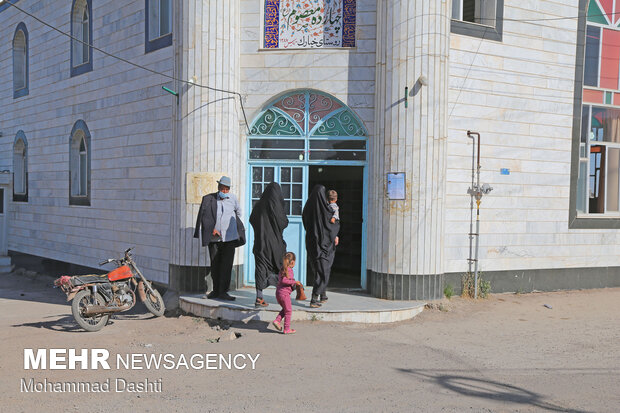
[323,299]
[260,303]
[314,302]
[212,294]
[227,297]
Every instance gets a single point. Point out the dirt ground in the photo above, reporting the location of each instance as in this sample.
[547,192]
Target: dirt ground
[508,353]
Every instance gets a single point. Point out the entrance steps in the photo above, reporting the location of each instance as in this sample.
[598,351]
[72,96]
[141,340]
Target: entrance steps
[341,307]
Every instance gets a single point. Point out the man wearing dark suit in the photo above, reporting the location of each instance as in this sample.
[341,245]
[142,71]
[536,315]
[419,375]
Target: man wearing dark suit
[219,223]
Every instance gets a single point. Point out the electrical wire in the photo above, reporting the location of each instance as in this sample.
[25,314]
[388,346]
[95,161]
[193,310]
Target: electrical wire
[456,101]
[136,64]
[491,20]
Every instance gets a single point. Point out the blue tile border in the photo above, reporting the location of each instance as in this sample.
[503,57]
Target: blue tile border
[272,24]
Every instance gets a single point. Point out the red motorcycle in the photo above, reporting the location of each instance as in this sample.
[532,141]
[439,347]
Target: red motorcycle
[95,297]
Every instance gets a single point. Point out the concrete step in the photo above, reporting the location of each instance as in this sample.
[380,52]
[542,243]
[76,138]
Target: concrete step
[5,264]
[341,307]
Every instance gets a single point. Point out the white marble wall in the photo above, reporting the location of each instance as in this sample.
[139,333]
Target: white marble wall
[519,95]
[208,134]
[129,117]
[405,235]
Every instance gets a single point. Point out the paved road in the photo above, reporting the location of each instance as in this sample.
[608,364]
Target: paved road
[505,354]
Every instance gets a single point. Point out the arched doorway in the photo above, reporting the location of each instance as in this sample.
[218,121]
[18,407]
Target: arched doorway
[300,139]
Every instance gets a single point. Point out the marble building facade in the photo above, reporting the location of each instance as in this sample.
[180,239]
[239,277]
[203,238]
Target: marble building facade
[411,76]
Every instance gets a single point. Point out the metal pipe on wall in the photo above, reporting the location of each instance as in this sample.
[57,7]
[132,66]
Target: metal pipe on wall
[475,192]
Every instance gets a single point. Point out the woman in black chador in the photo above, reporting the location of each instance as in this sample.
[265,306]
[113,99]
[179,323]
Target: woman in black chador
[268,219]
[321,241]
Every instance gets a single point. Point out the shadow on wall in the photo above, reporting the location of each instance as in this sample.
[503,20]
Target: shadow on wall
[488,389]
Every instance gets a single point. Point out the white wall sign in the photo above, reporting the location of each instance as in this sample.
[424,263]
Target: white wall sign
[396,185]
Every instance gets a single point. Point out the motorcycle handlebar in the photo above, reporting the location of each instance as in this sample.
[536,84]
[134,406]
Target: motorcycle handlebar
[127,251]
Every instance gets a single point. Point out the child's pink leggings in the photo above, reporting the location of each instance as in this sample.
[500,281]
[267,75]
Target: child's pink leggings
[284,299]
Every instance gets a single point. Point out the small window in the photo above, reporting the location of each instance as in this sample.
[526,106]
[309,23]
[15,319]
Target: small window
[20,168]
[478,18]
[81,30]
[20,61]
[79,165]
[158,24]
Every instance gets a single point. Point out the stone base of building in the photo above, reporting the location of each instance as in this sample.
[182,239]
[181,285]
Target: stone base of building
[405,286]
[194,279]
[49,266]
[56,268]
[551,279]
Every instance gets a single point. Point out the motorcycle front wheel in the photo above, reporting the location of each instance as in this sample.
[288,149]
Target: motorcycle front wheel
[80,302]
[154,303]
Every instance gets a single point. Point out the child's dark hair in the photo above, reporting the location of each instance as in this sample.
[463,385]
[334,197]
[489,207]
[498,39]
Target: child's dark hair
[288,257]
[332,195]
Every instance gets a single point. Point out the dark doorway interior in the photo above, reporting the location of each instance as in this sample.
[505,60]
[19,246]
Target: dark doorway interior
[348,181]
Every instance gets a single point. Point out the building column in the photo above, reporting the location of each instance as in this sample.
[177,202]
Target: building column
[208,141]
[405,254]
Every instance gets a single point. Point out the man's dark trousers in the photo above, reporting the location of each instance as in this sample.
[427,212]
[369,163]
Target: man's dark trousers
[222,256]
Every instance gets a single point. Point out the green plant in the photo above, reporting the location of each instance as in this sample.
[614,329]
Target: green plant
[484,288]
[314,317]
[468,281]
[448,291]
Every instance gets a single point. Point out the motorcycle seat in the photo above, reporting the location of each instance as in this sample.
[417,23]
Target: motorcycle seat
[90,279]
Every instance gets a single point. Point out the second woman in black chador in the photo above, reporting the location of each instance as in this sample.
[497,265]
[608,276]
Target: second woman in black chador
[268,219]
[321,241]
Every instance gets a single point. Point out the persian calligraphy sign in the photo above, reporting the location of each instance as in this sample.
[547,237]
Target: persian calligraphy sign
[308,24]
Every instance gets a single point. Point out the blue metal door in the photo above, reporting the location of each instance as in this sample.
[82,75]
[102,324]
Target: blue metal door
[293,180]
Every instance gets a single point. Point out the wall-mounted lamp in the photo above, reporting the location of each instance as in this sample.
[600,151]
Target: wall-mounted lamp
[422,81]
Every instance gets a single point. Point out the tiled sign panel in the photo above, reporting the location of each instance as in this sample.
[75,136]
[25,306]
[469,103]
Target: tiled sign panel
[309,24]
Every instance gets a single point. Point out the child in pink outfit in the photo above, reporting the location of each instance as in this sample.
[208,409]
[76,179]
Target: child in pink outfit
[286,285]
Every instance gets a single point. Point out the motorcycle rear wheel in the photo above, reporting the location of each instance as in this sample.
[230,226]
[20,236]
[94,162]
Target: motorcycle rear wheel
[154,303]
[83,299]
